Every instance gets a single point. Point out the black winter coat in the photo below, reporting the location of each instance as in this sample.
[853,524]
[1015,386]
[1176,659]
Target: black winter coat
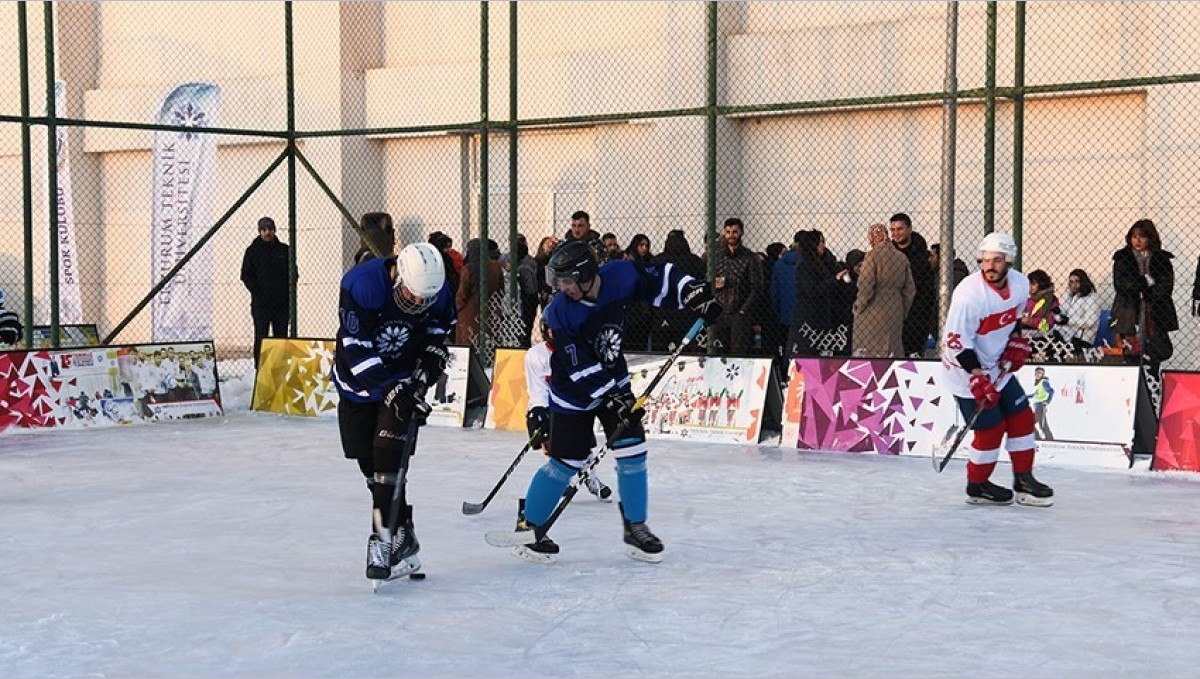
[742,278]
[265,273]
[1132,290]
[924,277]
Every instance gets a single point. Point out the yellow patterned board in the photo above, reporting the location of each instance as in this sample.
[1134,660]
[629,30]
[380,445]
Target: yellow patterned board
[508,399]
[293,378]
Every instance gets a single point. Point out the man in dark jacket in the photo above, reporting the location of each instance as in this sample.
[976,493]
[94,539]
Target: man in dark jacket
[738,286]
[581,229]
[265,275]
[921,321]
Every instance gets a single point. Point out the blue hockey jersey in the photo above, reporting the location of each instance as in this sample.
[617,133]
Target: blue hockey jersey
[378,345]
[587,362]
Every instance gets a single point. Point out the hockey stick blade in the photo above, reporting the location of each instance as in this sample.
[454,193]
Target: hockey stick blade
[473,508]
[510,538]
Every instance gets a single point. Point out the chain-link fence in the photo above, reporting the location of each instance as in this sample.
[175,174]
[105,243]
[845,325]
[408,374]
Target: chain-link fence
[660,119]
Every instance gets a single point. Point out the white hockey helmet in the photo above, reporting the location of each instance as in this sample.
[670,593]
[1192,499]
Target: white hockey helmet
[999,242]
[420,276]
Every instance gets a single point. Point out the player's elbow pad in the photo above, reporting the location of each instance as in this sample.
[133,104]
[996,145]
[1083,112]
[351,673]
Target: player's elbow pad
[968,359]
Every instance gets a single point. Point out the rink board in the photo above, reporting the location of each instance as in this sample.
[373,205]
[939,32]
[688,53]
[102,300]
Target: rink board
[894,407]
[1178,445]
[104,386]
[711,399]
[294,379]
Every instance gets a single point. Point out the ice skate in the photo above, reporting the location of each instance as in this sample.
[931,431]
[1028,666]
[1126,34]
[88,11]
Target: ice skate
[541,551]
[596,487]
[378,568]
[988,493]
[1031,492]
[641,544]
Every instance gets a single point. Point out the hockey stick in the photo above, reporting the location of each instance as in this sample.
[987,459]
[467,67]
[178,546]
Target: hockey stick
[410,442]
[938,466]
[471,508]
[506,538]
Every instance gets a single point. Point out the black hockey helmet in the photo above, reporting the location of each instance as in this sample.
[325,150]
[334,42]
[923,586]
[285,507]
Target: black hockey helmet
[573,260]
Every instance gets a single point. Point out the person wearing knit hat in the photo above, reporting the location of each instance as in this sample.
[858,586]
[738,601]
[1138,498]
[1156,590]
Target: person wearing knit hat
[265,275]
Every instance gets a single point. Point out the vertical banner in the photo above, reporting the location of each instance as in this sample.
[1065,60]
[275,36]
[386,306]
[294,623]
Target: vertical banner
[70,305]
[184,186]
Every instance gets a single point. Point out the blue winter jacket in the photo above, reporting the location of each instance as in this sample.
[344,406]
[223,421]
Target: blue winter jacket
[783,287]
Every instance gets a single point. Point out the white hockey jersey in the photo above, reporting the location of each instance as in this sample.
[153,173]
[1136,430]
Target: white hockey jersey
[980,318]
[537,375]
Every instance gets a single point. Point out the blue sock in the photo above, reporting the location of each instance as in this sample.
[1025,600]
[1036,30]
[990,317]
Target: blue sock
[545,488]
[633,487]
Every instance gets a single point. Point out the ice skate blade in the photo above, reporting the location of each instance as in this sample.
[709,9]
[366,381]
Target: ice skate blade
[638,555]
[526,554]
[1030,501]
[985,501]
[403,569]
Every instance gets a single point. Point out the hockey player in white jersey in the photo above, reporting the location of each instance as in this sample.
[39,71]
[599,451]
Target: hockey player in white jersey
[981,355]
[537,421]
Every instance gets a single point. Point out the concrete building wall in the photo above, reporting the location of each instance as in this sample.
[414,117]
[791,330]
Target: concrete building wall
[1093,164]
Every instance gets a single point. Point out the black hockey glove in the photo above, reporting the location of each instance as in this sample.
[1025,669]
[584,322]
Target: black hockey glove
[697,296]
[623,404]
[431,365]
[407,401]
[537,423]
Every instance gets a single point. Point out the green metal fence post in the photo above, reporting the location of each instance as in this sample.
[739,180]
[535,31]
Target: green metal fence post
[293,292]
[484,255]
[514,292]
[989,125]
[52,175]
[710,151]
[1018,189]
[949,165]
[26,170]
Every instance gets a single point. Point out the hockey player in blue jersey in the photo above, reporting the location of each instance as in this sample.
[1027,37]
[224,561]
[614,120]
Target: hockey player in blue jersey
[589,379]
[395,315]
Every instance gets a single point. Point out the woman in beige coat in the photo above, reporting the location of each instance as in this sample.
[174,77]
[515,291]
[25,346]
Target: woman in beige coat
[885,293]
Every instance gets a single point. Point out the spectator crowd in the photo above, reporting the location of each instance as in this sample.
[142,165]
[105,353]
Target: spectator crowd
[802,299]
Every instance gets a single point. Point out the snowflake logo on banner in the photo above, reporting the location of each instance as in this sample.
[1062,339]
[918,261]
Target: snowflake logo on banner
[391,339]
[608,344]
[188,116]
[732,371]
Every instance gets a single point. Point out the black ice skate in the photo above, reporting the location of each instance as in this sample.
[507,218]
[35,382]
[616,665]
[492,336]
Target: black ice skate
[377,559]
[988,493]
[542,551]
[640,543]
[1031,492]
[404,544]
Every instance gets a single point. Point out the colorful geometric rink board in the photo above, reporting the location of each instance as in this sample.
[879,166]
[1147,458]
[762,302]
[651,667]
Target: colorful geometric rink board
[899,408]
[1178,446]
[716,400]
[104,386]
[294,379]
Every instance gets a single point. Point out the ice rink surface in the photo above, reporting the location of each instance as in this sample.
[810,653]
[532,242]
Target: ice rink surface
[236,547]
